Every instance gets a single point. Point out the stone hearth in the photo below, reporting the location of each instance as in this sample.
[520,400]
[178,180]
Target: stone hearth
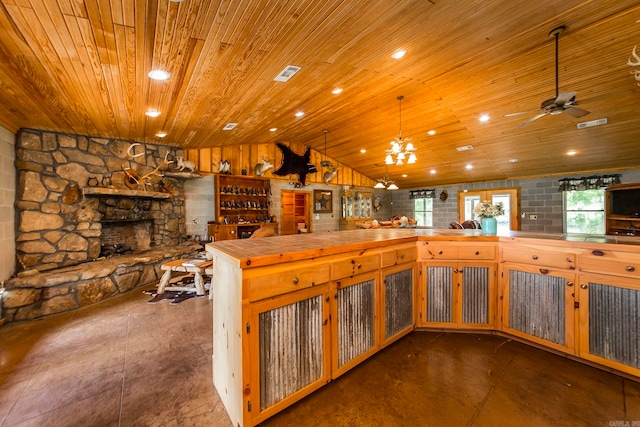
[69,189]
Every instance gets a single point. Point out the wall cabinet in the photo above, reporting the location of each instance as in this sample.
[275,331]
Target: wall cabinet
[456,290]
[623,209]
[355,208]
[242,206]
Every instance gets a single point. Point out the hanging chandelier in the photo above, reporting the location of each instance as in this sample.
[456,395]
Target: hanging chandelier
[401,148]
[386,182]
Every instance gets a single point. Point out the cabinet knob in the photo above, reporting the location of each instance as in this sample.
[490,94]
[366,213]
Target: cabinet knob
[570,284]
[597,252]
[359,266]
[630,268]
[534,257]
[439,252]
[544,271]
[401,256]
[327,299]
[477,252]
[295,281]
[583,286]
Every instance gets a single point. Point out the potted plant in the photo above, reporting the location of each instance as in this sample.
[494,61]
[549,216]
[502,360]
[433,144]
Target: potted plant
[487,213]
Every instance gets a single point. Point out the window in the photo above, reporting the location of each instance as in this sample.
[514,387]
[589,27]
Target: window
[423,211]
[584,212]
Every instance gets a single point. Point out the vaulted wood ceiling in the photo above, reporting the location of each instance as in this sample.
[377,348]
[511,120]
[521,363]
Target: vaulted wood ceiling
[81,67]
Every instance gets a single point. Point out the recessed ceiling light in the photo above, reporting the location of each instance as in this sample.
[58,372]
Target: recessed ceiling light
[273,129]
[161,134]
[299,113]
[229,126]
[404,175]
[363,151]
[571,153]
[431,132]
[159,75]
[336,91]
[153,113]
[433,171]
[398,54]
[513,160]
[469,167]
[484,118]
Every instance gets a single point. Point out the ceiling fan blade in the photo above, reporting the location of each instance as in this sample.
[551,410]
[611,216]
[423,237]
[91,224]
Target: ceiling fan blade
[575,112]
[519,113]
[534,118]
[564,97]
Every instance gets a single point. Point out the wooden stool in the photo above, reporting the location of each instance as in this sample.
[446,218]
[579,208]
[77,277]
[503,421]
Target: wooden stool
[184,266]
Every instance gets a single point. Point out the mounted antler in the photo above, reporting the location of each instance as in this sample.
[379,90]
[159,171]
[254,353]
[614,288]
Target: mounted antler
[131,177]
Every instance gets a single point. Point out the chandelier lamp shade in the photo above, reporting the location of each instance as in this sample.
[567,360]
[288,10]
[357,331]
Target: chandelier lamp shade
[402,149]
[385,182]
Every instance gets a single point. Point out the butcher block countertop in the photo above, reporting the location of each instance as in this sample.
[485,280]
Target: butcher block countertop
[250,253]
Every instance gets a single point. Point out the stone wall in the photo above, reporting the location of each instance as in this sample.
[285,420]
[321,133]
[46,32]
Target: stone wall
[57,225]
[7,202]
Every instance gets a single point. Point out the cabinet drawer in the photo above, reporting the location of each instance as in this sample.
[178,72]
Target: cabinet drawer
[477,251]
[438,251]
[564,260]
[351,266]
[399,255]
[610,262]
[278,282]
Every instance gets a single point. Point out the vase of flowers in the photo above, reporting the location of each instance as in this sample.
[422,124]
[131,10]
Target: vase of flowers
[488,212]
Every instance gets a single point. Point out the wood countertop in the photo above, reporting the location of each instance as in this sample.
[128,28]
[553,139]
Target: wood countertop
[250,253]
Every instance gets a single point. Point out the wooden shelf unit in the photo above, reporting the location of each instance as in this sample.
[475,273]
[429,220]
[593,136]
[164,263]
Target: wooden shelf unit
[242,206]
[623,209]
[356,207]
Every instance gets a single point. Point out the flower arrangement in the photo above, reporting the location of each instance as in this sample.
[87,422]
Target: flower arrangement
[485,209]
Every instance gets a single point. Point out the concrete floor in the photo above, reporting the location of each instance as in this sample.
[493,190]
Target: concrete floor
[125,362]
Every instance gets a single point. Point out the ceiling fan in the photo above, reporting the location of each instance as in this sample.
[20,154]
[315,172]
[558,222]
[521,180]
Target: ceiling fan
[563,103]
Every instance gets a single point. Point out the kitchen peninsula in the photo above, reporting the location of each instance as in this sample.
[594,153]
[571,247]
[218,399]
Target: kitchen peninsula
[291,313]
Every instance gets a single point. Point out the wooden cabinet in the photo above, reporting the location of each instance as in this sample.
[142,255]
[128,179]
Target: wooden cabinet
[538,294]
[303,323]
[242,206]
[609,308]
[295,212]
[458,287]
[355,208]
[623,209]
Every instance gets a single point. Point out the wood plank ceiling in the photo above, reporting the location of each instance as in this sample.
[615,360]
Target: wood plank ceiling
[81,67]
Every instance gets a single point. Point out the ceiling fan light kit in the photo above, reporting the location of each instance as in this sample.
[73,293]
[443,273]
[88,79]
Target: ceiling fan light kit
[562,103]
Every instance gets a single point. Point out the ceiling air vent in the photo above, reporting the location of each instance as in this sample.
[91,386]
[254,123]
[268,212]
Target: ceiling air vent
[287,73]
[592,123]
[229,126]
[465,148]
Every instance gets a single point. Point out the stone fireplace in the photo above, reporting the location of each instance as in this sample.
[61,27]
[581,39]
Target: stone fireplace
[72,201]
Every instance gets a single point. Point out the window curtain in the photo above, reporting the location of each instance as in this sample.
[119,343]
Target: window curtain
[427,193]
[592,182]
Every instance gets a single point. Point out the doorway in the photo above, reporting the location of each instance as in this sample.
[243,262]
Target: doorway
[296,212]
[510,198]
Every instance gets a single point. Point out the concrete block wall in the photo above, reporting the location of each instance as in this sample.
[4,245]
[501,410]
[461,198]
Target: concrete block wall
[537,197]
[200,205]
[7,201]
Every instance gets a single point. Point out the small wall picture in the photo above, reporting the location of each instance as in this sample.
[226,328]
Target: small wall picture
[322,201]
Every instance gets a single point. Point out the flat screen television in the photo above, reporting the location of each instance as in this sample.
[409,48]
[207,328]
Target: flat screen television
[625,202]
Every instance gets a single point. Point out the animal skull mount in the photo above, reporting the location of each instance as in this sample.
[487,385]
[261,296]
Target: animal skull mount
[330,174]
[260,168]
[132,179]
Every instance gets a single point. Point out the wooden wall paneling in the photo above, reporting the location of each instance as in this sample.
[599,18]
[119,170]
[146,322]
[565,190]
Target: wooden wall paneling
[204,163]
[192,155]
[216,158]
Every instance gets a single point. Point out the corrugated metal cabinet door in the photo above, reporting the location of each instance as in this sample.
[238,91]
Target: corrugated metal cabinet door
[354,321]
[538,305]
[398,302]
[289,342]
[610,321]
